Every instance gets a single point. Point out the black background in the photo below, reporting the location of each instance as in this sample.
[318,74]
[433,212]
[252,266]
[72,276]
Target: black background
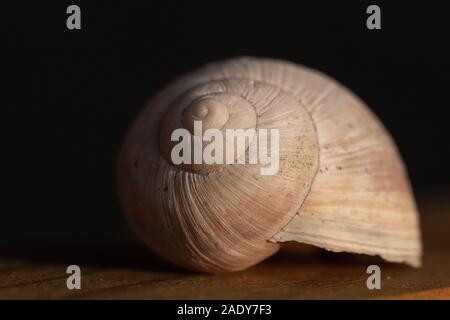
[75,93]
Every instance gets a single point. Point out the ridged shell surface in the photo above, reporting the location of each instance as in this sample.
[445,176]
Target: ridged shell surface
[341,184]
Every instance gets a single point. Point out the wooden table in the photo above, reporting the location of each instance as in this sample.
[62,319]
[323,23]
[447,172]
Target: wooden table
[126,270]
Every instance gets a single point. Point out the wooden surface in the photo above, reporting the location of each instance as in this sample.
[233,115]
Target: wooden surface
[128,271]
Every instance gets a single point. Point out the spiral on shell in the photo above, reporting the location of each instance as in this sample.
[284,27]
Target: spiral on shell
[340,185]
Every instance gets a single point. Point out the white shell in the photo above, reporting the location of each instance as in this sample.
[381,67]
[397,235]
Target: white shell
[341,185]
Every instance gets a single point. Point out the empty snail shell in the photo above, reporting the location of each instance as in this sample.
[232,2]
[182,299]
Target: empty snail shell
[340,184]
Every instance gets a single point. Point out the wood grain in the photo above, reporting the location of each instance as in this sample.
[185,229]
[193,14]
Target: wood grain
[127,271]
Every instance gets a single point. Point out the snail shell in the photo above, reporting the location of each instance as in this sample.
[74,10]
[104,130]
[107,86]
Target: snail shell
[341,184]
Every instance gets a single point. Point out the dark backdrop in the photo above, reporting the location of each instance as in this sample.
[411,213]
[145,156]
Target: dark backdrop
[75,93]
